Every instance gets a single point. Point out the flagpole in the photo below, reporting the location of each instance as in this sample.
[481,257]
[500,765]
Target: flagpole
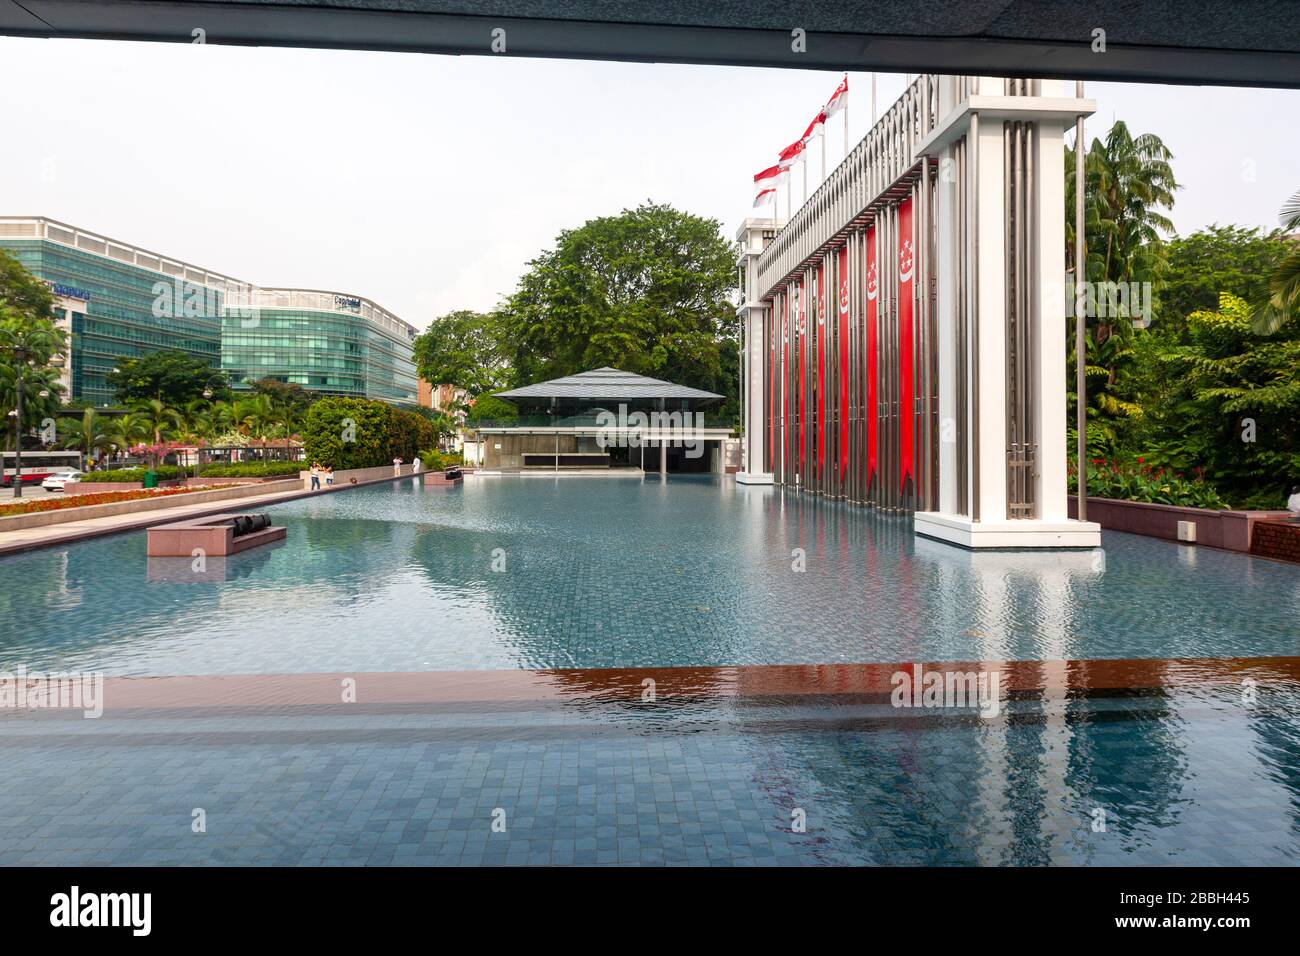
[823,139]
[804,174]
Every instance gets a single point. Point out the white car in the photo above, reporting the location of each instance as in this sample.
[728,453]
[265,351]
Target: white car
[56,481]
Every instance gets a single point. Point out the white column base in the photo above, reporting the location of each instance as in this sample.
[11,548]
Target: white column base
[753,478]
[977,535]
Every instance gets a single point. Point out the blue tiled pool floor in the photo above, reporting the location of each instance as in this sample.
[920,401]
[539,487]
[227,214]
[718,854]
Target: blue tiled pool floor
[589,573]
[1178,776]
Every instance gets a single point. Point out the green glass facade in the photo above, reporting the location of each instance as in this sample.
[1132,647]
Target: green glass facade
[331,352]
[327,342]
[119,321]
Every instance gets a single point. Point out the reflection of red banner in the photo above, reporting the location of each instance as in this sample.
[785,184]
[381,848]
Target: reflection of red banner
[906,404]
[873,294]
[801,330]
[844,360]
[821,370]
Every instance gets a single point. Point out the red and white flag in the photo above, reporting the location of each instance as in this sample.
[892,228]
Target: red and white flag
[794,153]
[816,127]
[839,99]
[772,176]
[764,198]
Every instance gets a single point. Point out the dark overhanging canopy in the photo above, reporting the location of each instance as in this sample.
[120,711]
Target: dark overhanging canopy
[1223,42]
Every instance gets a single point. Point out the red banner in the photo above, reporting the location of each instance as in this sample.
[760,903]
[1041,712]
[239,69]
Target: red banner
[844,359]
[906,403]
[873,293]
[821,370]
[801,330]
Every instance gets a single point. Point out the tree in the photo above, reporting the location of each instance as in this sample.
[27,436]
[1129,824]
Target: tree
[464,349]
[1236,407]
[349,433]
[1280,302]
[1211,261]
[127,431]
[29,341]
[170,376]
[648,291]
[23,294]
[87,434]
[1128,182]
[284,393]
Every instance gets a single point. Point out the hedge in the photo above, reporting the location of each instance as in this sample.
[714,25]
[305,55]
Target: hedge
[362,433]
[253,469]
[164,473]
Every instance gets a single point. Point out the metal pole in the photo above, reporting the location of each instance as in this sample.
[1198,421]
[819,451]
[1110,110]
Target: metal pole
[1080,321]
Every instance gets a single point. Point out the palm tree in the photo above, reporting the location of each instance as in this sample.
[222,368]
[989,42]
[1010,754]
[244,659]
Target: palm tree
[1129,183]
[255,415]
[126,431]
[88,435]
[27,347]
[1282,301]
[159,418]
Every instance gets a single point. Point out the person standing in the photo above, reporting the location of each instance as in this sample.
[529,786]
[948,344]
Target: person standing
[415,466]
[315,476]
[397,467]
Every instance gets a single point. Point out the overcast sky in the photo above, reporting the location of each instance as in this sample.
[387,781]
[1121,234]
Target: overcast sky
[427,182]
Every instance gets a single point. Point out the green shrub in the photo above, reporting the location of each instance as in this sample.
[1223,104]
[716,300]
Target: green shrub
[350,433]
[164,473]
[435,460]
[254,469]
[1141,481]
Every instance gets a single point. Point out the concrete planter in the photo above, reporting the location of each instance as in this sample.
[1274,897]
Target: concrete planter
[100,487]
[1232,530]
[41,519]
[361,475]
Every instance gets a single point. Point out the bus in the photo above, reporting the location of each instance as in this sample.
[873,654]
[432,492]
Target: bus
[37,465]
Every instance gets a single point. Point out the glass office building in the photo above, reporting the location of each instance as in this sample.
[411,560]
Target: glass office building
[328,342]
[121,302]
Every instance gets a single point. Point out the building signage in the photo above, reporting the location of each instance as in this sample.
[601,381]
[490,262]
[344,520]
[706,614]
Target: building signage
[68,291]
[347,302]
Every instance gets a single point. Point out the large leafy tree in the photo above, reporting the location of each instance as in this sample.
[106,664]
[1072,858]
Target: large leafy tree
[465,349]
[1234,403]
[29,341]
[1211,261]
[170,376]
[648,291]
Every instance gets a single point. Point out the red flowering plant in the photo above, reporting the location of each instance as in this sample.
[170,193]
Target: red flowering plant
[26,506]
[1139,480]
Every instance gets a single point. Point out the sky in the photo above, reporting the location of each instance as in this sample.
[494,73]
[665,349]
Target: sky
[426,183]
